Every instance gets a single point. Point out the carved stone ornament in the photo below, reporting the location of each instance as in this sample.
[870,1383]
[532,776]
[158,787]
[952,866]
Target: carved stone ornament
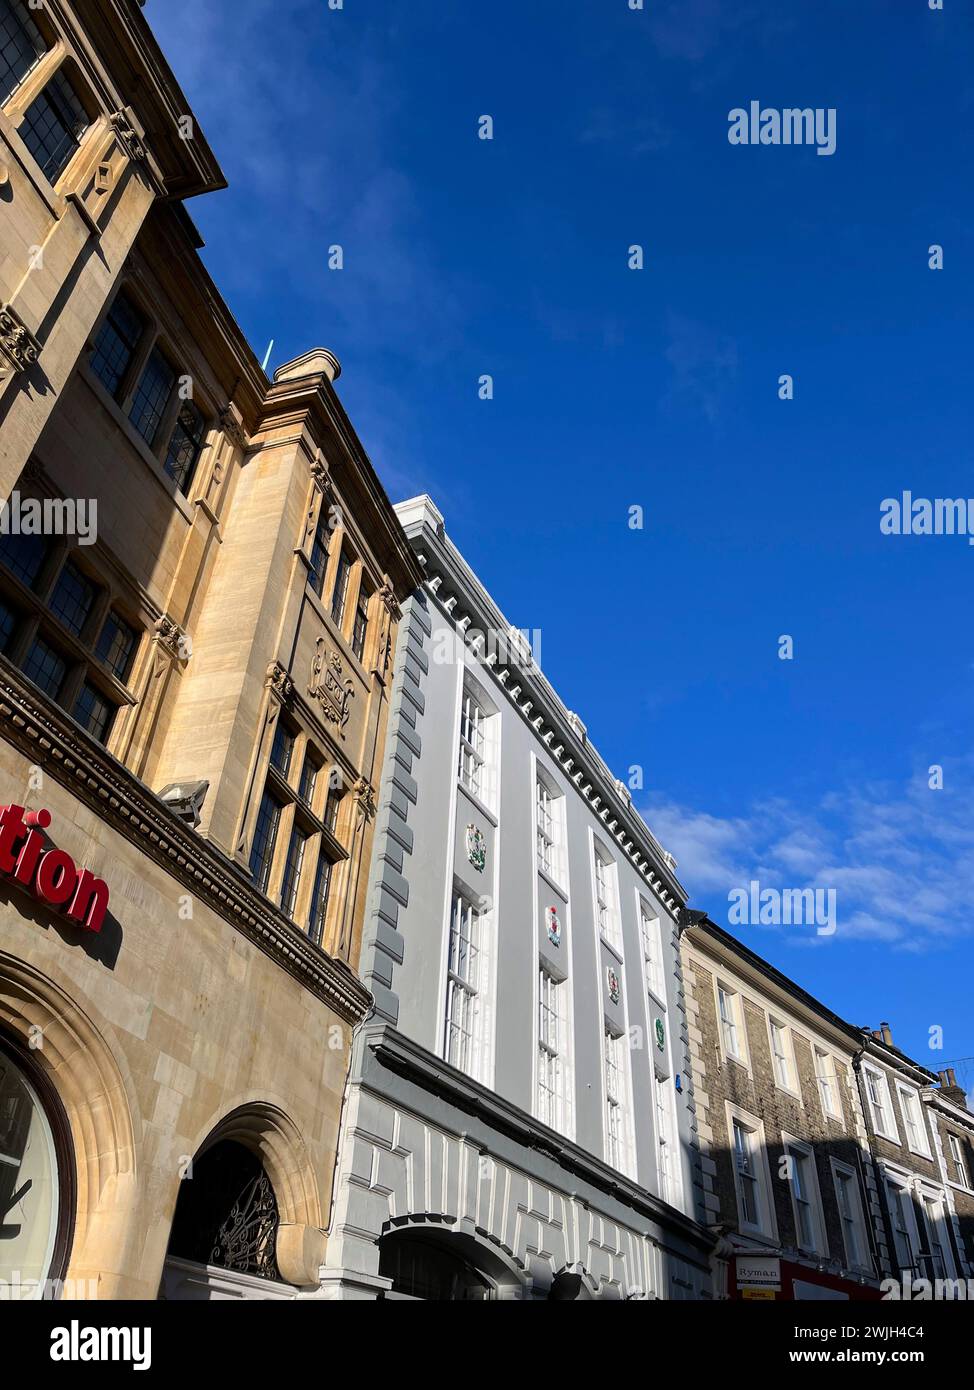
[128,136]
[330,686]
[17,342]
[321,472]
[279,681]
[231,423]
[387,594]
[363,794]
[171,637]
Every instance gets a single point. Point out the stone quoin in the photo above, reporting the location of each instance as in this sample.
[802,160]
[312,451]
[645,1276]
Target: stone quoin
[51,874]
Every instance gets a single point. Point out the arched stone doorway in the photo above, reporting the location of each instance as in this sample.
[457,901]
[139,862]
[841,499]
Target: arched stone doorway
[227,1213]
[247,1221]
[443,1265]
[76,1074]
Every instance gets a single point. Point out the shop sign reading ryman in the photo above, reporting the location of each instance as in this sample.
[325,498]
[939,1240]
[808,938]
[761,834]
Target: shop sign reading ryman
[51,874]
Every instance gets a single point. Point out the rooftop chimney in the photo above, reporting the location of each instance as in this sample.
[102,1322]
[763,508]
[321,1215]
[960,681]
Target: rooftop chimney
[950,1090]
[886,1034]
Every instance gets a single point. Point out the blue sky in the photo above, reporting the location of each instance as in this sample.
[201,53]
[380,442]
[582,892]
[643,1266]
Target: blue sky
[659,388]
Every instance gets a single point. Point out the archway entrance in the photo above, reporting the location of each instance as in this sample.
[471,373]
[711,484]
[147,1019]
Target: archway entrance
[442,1266]
[227,1214]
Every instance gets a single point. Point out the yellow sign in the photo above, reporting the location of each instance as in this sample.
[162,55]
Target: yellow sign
[757,1293]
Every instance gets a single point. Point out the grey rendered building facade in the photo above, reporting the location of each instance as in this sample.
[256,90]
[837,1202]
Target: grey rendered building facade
[519,1122]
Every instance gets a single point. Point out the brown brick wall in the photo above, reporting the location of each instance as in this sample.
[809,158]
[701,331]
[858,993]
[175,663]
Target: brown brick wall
[963,1199]
[756,1092]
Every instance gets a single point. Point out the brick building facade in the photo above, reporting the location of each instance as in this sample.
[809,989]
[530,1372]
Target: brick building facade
[831,1161]
[784,1155]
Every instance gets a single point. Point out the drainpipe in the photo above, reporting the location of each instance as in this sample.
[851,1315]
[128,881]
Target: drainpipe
[870,1226]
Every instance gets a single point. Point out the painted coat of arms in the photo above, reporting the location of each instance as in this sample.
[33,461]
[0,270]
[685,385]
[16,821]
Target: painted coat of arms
[553,925]
[476,848]
[612,981]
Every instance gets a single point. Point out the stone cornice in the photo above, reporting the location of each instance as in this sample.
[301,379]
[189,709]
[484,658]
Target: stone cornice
[465,603]
[51,740]
[118,34]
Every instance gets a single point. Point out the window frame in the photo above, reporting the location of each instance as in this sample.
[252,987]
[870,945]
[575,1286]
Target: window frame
[304,892]
[790,1084]
[885,1106]
[903,1089]
[27,21]
[956,1144]
[153,340]
[605,898]
[829,1083]
[466,999]
[484,758]
[338,606]
[554,1004]
[804,1152]
[617,1116]
[55,68]
[766,1227]
[901,1185]
[927,1194]
[549,829]
[651,945]
[735,1023]
[844,1175]
[669,1165]
[35,620]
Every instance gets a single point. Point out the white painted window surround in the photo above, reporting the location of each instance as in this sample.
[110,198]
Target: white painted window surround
[618,1107]
[468,1013]
[962,1172]
[855,1235]
[782,1055]
[914,1121]
[752,1175]
[607,898]
[554,1052]
[806,1199]
[880,1104]
[829,1083]
[731,1023]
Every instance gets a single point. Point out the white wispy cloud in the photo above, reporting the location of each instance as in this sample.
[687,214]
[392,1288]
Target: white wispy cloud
[899,856]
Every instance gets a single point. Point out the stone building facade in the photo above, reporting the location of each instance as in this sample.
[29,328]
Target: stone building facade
[200,588]
[825,1161]
[520,1120]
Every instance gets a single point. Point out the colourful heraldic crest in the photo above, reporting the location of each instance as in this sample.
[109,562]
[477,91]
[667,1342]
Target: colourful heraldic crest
[612,980]
[476,848]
